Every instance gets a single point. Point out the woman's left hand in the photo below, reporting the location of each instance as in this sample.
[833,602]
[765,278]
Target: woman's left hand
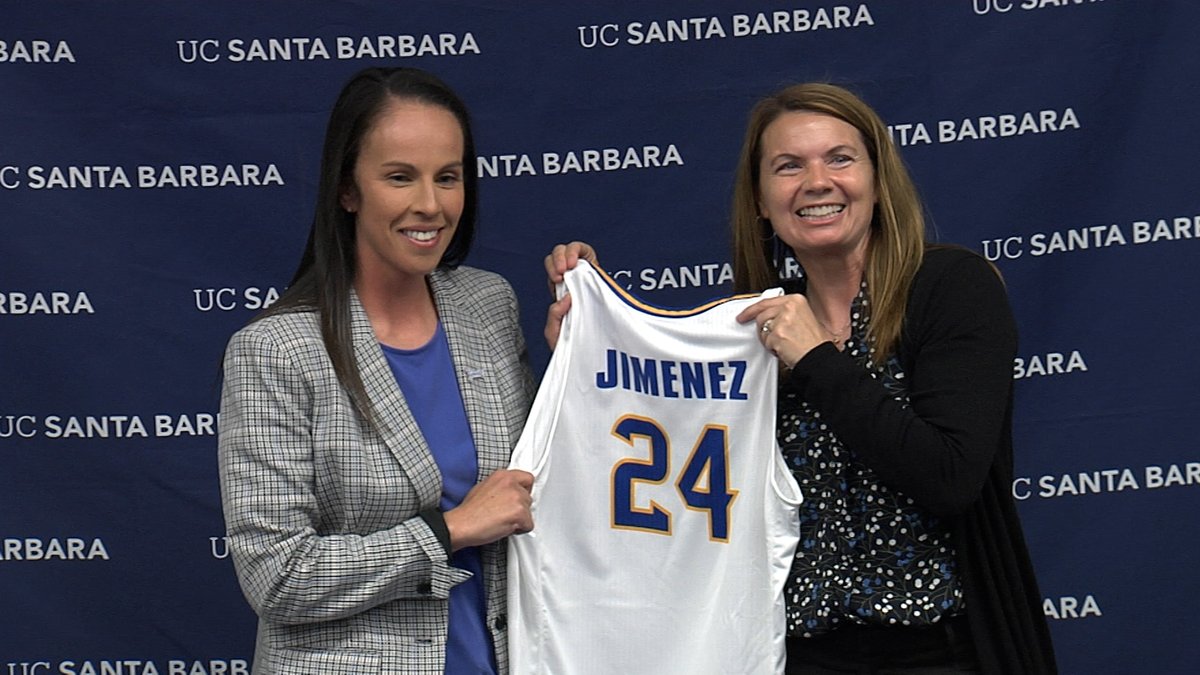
[786,326]
[562,258]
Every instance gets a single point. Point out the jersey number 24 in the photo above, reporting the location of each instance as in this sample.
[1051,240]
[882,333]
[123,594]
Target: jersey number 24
[703,485]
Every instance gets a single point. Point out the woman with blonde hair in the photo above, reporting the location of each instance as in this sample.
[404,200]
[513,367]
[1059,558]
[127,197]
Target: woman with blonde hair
[895,403]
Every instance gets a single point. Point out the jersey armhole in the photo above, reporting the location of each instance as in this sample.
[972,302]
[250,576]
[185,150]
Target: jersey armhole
[782,481]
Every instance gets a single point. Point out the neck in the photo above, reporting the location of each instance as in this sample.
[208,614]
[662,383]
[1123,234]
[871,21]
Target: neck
[402,312]
[833,281]
[832,285]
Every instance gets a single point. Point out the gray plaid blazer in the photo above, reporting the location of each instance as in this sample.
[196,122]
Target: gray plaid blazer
[321,507]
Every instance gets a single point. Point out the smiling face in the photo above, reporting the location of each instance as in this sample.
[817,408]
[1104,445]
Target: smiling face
[407,192]
[817,185]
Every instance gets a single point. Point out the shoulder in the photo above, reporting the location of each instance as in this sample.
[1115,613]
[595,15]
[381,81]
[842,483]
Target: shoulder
[471,277]
[952,270]
[473,287]
[956,288]
[941,260]
[293,332]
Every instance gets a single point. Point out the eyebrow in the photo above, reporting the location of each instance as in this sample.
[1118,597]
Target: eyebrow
[397,164]
[837,149]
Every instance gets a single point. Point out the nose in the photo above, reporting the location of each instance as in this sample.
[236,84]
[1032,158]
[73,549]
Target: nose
[425,201]
[816,177]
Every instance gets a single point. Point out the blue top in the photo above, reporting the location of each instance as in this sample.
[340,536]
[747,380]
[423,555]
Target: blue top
[426,377]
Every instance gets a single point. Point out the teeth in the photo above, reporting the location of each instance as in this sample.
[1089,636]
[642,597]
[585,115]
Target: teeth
[820,211]
[420,235]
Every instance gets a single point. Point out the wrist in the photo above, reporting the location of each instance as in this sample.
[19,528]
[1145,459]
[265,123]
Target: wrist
[436,520]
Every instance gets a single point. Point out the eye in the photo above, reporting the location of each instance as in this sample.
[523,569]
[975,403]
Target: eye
[399,177]
[787,166]
[451,178]
[841,160]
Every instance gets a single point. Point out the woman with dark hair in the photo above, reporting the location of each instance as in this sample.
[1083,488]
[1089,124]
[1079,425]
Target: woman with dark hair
[895,403]
[368,415]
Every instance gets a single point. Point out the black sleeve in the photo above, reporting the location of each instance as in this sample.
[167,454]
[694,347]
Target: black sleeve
[958,350]
[437,522]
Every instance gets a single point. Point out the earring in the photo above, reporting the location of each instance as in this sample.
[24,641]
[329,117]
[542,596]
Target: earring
[765,228]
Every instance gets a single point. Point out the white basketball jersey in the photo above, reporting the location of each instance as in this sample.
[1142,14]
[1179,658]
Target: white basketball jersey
[665,519]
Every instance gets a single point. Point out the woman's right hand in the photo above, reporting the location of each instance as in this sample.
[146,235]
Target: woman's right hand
[495,508]
[562,258]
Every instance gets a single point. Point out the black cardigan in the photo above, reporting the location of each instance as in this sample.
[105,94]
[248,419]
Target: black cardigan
[951,449]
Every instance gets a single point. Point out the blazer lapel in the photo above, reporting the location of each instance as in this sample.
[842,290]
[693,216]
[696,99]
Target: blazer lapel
[470,348]
[393,419]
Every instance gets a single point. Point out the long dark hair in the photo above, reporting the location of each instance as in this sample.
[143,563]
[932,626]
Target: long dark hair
[325,276]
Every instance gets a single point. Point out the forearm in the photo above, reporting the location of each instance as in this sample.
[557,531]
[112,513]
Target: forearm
[304,577]
[291,529]
[942,468]
[957,357]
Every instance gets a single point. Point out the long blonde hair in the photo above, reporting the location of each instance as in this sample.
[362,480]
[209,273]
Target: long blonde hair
[897,239]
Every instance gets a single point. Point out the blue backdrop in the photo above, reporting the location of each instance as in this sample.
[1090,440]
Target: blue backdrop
[157,169]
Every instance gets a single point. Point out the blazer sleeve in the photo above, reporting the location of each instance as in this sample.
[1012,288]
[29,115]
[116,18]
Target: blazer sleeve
[957,353]
[291,570]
